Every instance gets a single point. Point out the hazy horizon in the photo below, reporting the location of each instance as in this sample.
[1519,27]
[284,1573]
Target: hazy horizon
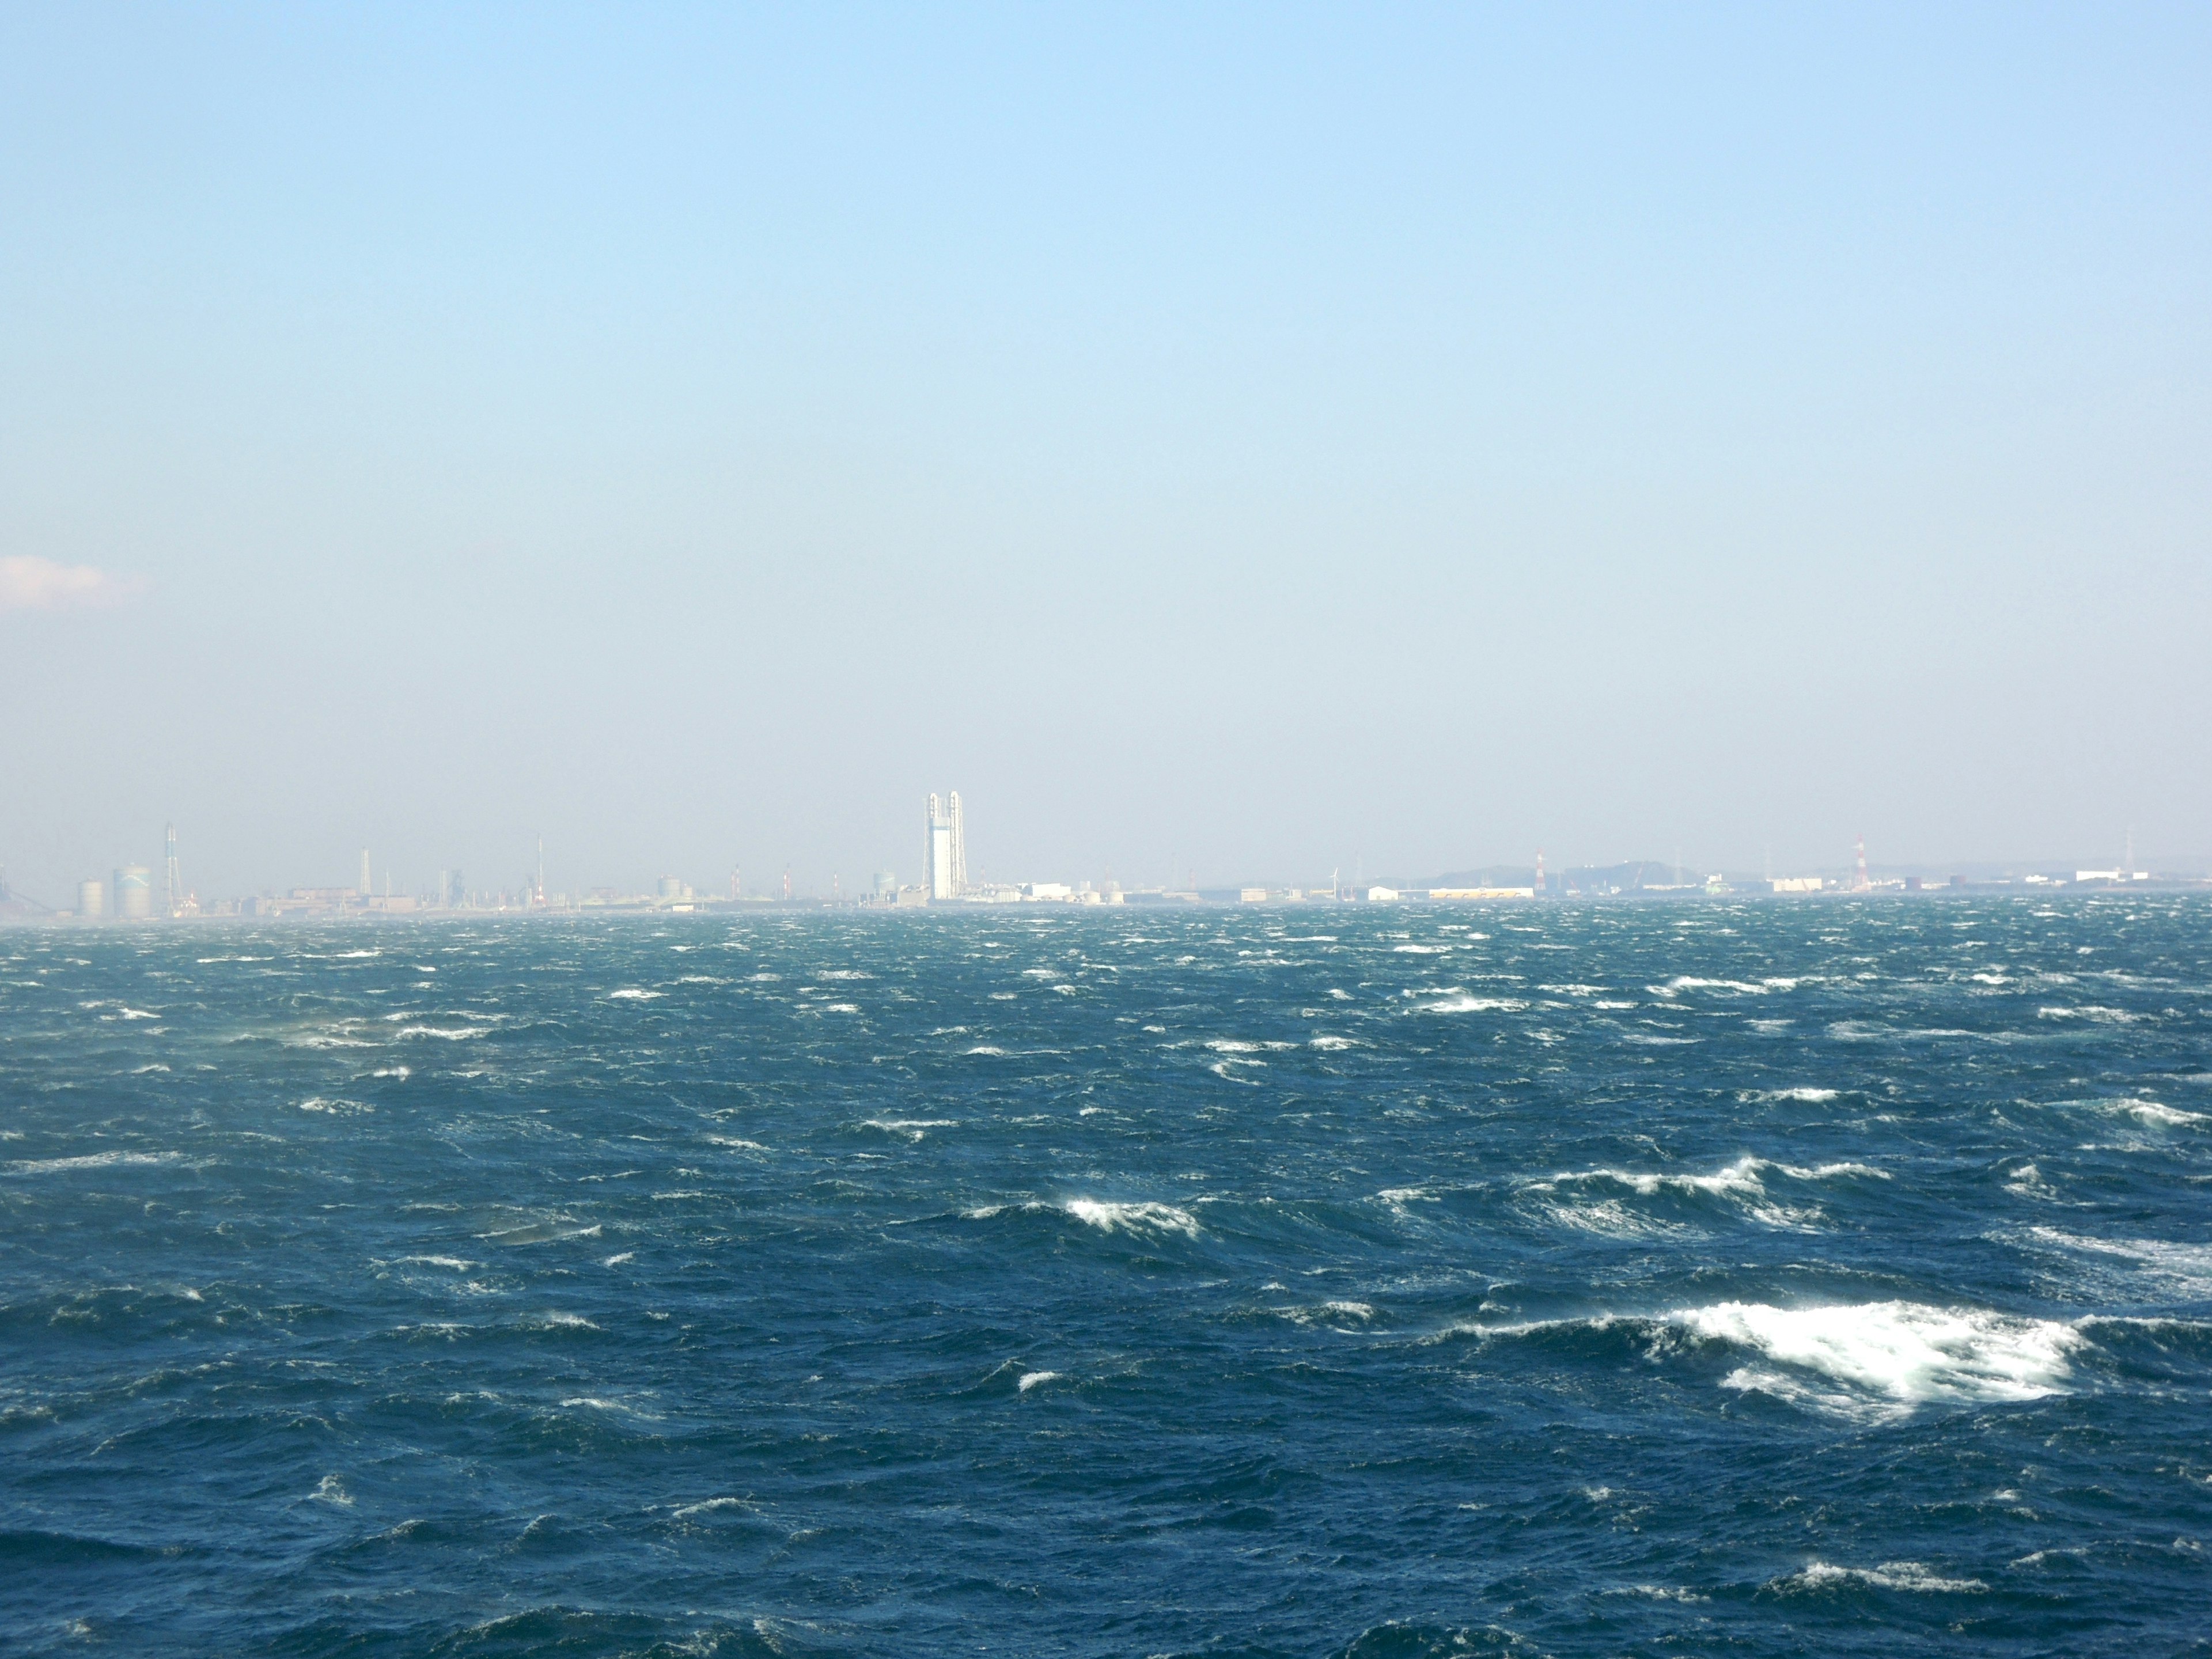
[1250,443]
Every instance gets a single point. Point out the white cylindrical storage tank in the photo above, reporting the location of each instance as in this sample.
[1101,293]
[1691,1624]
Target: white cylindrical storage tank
[92,900]
[134,892]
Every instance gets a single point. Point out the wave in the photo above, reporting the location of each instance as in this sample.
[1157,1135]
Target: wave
[88,1161]
[1857,1360]
[1742,1182]
[632,994]
[1141,1216]
[1107,1215]
[912,1127]
[1034,1379]
[1470,1005]
[1906,1353]
[2188,1265]
[1890,1575]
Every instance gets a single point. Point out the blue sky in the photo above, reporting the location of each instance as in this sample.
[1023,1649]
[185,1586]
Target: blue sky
[1247,441]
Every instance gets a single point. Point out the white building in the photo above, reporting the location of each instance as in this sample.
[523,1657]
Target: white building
[944,851]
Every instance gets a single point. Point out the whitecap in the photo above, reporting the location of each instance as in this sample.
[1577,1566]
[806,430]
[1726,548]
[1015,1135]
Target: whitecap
[88,1161]
[912,1127]
[332,1490]
[1904,1353]
[1470,1005]
[1681,983]
[1109,1217]
[1890,1575]
[1032,1379]
[707,1506]
[633,993]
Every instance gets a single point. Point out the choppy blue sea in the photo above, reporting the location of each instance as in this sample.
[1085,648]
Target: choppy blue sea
[1713,1278]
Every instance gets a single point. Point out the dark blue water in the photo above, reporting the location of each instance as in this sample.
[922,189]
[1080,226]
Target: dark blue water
[1735,1279]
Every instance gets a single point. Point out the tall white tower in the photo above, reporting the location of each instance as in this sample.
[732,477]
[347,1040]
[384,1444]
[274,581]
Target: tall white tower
[942,852]
[959,847]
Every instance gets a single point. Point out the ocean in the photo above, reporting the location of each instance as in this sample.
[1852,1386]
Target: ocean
[1711,1278]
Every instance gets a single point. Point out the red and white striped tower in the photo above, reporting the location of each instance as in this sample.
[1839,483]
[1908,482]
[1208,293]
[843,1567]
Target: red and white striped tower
[1539,872]
[1862,885]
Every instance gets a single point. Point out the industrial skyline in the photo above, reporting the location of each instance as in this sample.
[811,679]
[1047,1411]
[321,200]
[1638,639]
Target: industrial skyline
[128,892]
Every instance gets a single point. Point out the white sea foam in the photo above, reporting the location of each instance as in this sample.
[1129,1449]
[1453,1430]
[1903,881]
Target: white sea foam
[1331,1043]
[984,1049]
[539,1232]
[332,1490]
[1423,950]
[707,1506]
[1146,1217]
[337,1108]
[457,1033]
[1470,1005]
[1032,1379]
[1681,983]
[633,994]
[1890,1575]
[2188,1266]
[2154,1113]
[912,1127]
[617,1260]
[737,1144]
[1898,1354]
[1742,1182]
[1809,1096]
[88,1161]
[453,1262]
[561,1321]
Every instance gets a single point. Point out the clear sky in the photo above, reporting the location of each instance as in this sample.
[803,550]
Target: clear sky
[1246,440]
